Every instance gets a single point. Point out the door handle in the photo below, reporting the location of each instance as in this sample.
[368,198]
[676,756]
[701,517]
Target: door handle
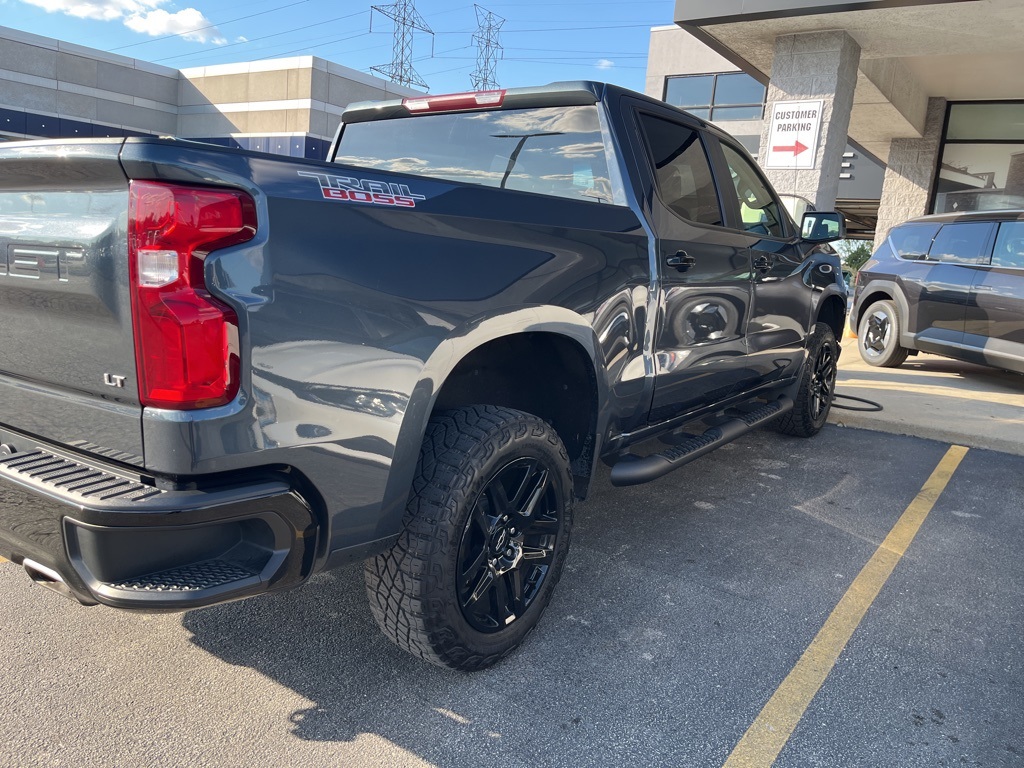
[681,261]
[763,262]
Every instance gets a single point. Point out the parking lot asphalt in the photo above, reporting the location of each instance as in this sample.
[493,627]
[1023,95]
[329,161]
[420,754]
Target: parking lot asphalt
[685,605]
[935,397]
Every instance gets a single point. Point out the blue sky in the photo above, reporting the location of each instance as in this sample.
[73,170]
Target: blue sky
[542,41]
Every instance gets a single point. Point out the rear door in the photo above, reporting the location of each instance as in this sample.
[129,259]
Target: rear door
[994,321]
[67,356]
[704,269]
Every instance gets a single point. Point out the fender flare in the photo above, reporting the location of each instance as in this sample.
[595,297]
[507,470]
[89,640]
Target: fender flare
[459,343]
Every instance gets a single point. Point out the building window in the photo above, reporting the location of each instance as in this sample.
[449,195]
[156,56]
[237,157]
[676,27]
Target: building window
[726,96]
[982,165]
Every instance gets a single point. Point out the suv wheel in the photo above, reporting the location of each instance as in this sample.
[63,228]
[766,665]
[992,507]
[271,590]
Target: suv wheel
[485,535]
[878,337]
[817,386]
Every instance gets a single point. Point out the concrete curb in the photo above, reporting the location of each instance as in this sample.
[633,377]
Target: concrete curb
[935,398]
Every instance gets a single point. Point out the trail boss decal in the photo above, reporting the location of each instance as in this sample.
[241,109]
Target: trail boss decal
[364,190]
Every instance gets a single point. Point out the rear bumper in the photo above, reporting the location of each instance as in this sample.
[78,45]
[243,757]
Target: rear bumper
[104,535]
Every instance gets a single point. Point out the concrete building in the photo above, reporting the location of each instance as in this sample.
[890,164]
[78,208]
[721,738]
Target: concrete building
[54,89]
[931,90]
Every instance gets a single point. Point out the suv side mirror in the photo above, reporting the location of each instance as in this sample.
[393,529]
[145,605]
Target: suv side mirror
[823,226]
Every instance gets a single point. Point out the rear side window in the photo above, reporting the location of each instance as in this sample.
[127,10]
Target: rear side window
[556,151]
[961,243]
[1009,250]
[913,241]
[681,170]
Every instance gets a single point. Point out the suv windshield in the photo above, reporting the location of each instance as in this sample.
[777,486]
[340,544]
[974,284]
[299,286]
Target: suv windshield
[551,151]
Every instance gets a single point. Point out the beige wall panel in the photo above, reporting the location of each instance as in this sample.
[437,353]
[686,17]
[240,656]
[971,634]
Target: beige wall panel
[28,59]
[269,121]
[212,124]
[267,86]
[136,117]
[134,82]
[300,83]
[76,105]
[29,97]
[224,89]
[297,120]
[76,69]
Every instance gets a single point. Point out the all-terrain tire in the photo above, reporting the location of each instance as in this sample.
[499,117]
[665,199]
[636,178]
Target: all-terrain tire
[817,386]
[878,336]
[485,536]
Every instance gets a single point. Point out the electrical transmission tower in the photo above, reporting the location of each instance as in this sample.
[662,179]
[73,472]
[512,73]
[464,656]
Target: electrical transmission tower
[407,19]
[488,49]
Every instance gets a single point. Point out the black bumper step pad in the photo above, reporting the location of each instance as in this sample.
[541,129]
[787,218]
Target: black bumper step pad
[188,578]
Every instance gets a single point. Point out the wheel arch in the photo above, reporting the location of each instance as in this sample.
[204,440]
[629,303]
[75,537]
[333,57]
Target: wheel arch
[568,362]
[885,290]
[832,312]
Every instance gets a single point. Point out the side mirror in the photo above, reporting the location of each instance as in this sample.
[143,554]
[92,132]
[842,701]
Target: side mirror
[823,226]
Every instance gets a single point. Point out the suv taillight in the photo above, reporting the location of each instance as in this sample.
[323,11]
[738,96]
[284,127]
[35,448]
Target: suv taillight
[186,342]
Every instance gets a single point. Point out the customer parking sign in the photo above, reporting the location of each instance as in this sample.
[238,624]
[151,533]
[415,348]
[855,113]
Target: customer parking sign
[793,138]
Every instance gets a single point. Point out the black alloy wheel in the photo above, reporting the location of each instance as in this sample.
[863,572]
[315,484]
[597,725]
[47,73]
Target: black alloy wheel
[484,539]
[823,381]
[508,545]
[816,386]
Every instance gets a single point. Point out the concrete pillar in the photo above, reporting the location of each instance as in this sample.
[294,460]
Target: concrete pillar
[813,66]
[910,173]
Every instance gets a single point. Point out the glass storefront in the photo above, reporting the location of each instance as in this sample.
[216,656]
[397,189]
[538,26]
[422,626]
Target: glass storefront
[982,164]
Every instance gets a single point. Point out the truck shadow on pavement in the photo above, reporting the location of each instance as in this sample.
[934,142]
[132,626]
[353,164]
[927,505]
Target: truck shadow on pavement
[668,585]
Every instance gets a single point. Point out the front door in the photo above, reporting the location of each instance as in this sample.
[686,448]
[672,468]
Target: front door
[780,314]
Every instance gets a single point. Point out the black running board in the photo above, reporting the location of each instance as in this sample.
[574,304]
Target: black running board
[633,470]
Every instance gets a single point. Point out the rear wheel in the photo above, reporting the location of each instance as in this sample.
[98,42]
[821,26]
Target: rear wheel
[485,535]
[878,337]
[817,386]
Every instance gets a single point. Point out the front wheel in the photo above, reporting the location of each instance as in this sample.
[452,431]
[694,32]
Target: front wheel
[485,535]
[817,386]
[878,336]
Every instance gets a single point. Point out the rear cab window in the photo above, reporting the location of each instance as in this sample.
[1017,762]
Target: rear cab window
[558,151]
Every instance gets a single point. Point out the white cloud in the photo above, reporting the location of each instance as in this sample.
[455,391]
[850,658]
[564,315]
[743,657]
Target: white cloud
[604,64]
[189,23]
[104,10]
[143,16]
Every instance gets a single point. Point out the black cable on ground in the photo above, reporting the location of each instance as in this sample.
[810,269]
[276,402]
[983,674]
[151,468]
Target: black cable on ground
[873,407]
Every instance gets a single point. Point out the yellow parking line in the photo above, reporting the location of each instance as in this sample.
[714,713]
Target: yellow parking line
[771,730]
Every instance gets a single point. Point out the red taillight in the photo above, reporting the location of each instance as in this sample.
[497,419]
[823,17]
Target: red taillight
[186,342]
[454,102]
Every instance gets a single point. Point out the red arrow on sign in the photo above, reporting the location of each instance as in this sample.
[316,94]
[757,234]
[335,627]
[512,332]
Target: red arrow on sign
[796,148]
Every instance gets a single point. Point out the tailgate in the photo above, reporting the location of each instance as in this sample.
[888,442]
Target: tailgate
[67,356]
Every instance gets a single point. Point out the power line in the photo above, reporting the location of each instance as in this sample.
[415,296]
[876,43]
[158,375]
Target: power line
[407,20]
[488,49]
[263,37]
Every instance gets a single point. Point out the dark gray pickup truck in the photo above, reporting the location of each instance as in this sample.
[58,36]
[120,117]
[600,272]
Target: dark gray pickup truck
[222,372]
